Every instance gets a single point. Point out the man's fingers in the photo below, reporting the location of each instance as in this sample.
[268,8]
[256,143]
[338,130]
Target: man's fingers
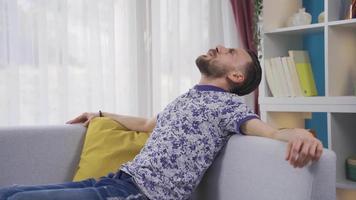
[78,119]
[303,154]
[302,149]
[73,121]
[305,161]
[86,123]
[319,150]
[70,121]
[295,152]
[312,151]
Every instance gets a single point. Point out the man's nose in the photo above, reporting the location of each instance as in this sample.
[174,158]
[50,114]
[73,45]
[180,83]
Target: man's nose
[221,48]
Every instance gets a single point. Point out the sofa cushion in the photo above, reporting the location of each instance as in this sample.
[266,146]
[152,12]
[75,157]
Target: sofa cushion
[107,146]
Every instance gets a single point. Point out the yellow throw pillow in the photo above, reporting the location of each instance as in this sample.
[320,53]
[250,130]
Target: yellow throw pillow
[107,146]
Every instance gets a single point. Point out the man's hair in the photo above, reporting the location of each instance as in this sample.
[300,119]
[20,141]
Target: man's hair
[253,75]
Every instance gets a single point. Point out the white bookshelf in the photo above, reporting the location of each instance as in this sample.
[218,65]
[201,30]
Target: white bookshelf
[339,57]
[343,23]
[298,29]
[343,104]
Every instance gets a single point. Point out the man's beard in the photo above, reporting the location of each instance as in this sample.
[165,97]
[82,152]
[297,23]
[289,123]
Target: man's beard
[208,68]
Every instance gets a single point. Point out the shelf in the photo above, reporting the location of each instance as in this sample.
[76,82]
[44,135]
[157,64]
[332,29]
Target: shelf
[342,142]
[297,30]
[320,100]
[339,104]
[331,46]
[341,58]
[345,184]
[349,23]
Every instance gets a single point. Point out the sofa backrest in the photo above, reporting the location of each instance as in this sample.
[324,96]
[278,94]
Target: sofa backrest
[39,154]
[247,168]
[255,168]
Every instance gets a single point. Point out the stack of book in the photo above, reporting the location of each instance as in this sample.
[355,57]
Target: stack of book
[290,76]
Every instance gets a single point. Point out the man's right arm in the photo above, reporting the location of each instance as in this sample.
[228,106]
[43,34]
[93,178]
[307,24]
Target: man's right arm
[131,123]
[302,145]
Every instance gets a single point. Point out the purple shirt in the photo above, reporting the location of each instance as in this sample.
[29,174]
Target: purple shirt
[188,135]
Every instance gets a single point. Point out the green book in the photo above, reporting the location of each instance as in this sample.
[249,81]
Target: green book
[304,71]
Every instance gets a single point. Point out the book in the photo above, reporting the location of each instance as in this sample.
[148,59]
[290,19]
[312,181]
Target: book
[270,78]
[305,72]
[295,79]
[276,77]
[281,79]
[288,76]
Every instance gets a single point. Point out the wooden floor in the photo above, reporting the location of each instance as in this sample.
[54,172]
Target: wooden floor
[342,194]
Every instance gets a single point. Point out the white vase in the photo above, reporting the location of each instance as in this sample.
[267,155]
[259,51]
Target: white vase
[299,18]
[321,17]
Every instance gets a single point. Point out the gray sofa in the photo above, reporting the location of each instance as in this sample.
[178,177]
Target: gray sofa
[248,168]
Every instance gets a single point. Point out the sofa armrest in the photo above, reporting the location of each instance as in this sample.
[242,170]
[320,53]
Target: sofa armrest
[39,154]
[255,168]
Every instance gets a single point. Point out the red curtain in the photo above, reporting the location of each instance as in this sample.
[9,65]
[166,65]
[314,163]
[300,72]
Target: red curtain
[243,14]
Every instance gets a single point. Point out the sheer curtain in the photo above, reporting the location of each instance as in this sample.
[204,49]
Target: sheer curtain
[60,58]
[181,31]
[243,11]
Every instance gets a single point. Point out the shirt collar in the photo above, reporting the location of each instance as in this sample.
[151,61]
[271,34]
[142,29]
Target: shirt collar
[208,88]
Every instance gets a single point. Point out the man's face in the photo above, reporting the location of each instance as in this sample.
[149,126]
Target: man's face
[221,60]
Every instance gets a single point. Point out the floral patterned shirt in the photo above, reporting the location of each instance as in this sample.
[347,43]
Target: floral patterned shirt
[189,133]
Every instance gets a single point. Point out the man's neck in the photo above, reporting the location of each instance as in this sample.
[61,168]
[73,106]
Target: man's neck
[221,83]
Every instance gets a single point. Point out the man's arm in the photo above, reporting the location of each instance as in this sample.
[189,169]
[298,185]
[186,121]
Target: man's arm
[302,145]
[131,123]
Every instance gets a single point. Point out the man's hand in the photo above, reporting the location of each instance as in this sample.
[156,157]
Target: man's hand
[84,118]
[131,123]
[302,147]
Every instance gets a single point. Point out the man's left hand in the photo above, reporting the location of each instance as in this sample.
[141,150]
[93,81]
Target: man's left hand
[302,148]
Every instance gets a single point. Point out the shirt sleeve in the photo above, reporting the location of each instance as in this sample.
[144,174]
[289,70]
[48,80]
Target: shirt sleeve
[233,116]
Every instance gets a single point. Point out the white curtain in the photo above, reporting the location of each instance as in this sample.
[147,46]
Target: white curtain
[181,31]
[59,58]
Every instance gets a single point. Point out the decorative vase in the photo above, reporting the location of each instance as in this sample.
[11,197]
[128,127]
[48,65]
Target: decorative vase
[321,17]
[299,18]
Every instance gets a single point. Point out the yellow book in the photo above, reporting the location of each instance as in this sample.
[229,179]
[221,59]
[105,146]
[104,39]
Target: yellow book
[305,72]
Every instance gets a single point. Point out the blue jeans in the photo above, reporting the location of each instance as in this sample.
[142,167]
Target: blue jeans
[120,186]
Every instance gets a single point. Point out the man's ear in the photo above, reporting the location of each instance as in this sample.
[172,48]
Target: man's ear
[237,77]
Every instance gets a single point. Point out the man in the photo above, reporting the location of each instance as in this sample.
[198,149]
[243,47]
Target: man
[186,137]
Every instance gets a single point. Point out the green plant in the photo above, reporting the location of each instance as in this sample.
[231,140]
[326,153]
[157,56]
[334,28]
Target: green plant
[258,6]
